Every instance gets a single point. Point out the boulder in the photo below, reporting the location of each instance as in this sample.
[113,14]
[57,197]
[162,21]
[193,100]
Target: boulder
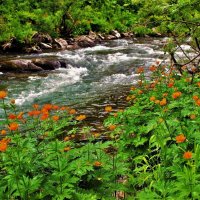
[45,46]
[73,46]
[20,65]
[33,49]
[116,34]
[127,35]
[84,41]
[41,37]
[46,64]
[6,46]
[61,43]
[110,37]
[101,36]
[93,36]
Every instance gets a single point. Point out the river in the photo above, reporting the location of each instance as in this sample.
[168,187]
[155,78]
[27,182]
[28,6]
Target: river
[94,77]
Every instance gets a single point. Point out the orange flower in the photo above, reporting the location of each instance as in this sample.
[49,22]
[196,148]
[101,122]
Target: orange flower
[152,85]
[175,95]
[165,94]
[20,115]
[112,127]
[192,116]
[3,132]
[128,98]
[163,102]
[35,106]
[12,101]
[67,138]
[152,98]
[96,135]
[198,102]
[108,108]
[47,107]
[63,108]
[97,164]
[72,111]
[171,84]
[115,114]
[3,94]
[140,82]
[55,118]
[55,107]
[184,68]
[180,138]
[157,101]
[187,155]
[67,149]
[188,80]
[34,113]
[132,88]
[140,70]
[44,116]
[3,146]
[152,68]
[157,62]
[80,117]
[195,97]
[198,83]
[12,116]
[13,126]
[140,92]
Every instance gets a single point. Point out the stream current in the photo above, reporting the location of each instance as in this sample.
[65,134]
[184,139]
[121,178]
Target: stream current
[94,77]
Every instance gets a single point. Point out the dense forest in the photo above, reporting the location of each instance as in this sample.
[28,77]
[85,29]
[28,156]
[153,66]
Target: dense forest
[21,19]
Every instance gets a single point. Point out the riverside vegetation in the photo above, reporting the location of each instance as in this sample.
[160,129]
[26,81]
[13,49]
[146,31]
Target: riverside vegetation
[151,152]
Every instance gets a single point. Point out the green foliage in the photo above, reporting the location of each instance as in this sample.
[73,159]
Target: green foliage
[160,134]
[62,18]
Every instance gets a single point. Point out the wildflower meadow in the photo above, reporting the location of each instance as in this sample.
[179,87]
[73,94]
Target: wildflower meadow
[150,150]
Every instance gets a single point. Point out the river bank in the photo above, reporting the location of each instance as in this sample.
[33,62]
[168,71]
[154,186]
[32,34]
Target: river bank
[43,43]
[94,77]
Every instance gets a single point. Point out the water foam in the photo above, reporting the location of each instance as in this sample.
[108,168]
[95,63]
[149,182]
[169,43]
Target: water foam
[50,84]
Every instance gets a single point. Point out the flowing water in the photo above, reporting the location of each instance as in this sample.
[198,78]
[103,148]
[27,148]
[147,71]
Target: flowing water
[94,77]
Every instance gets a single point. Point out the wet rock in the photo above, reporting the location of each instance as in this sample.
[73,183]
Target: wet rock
[110,37]
[61,43]
[116,34]
[73,46]
[6,46]
[20,65]
[63,64]
[101,36]
[41,37]
[33,49]
[84,41]
[127,35]
[45,46]
[12,46]
[46,64]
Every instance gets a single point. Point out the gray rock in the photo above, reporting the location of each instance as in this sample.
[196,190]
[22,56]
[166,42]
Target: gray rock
[34,49]
[92,35]
[20,65]
[110,37]
[46,64]
[115,33]
[101,36]
[127,35]
[61,43]
[84,41]
[45,46]
[41,37]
